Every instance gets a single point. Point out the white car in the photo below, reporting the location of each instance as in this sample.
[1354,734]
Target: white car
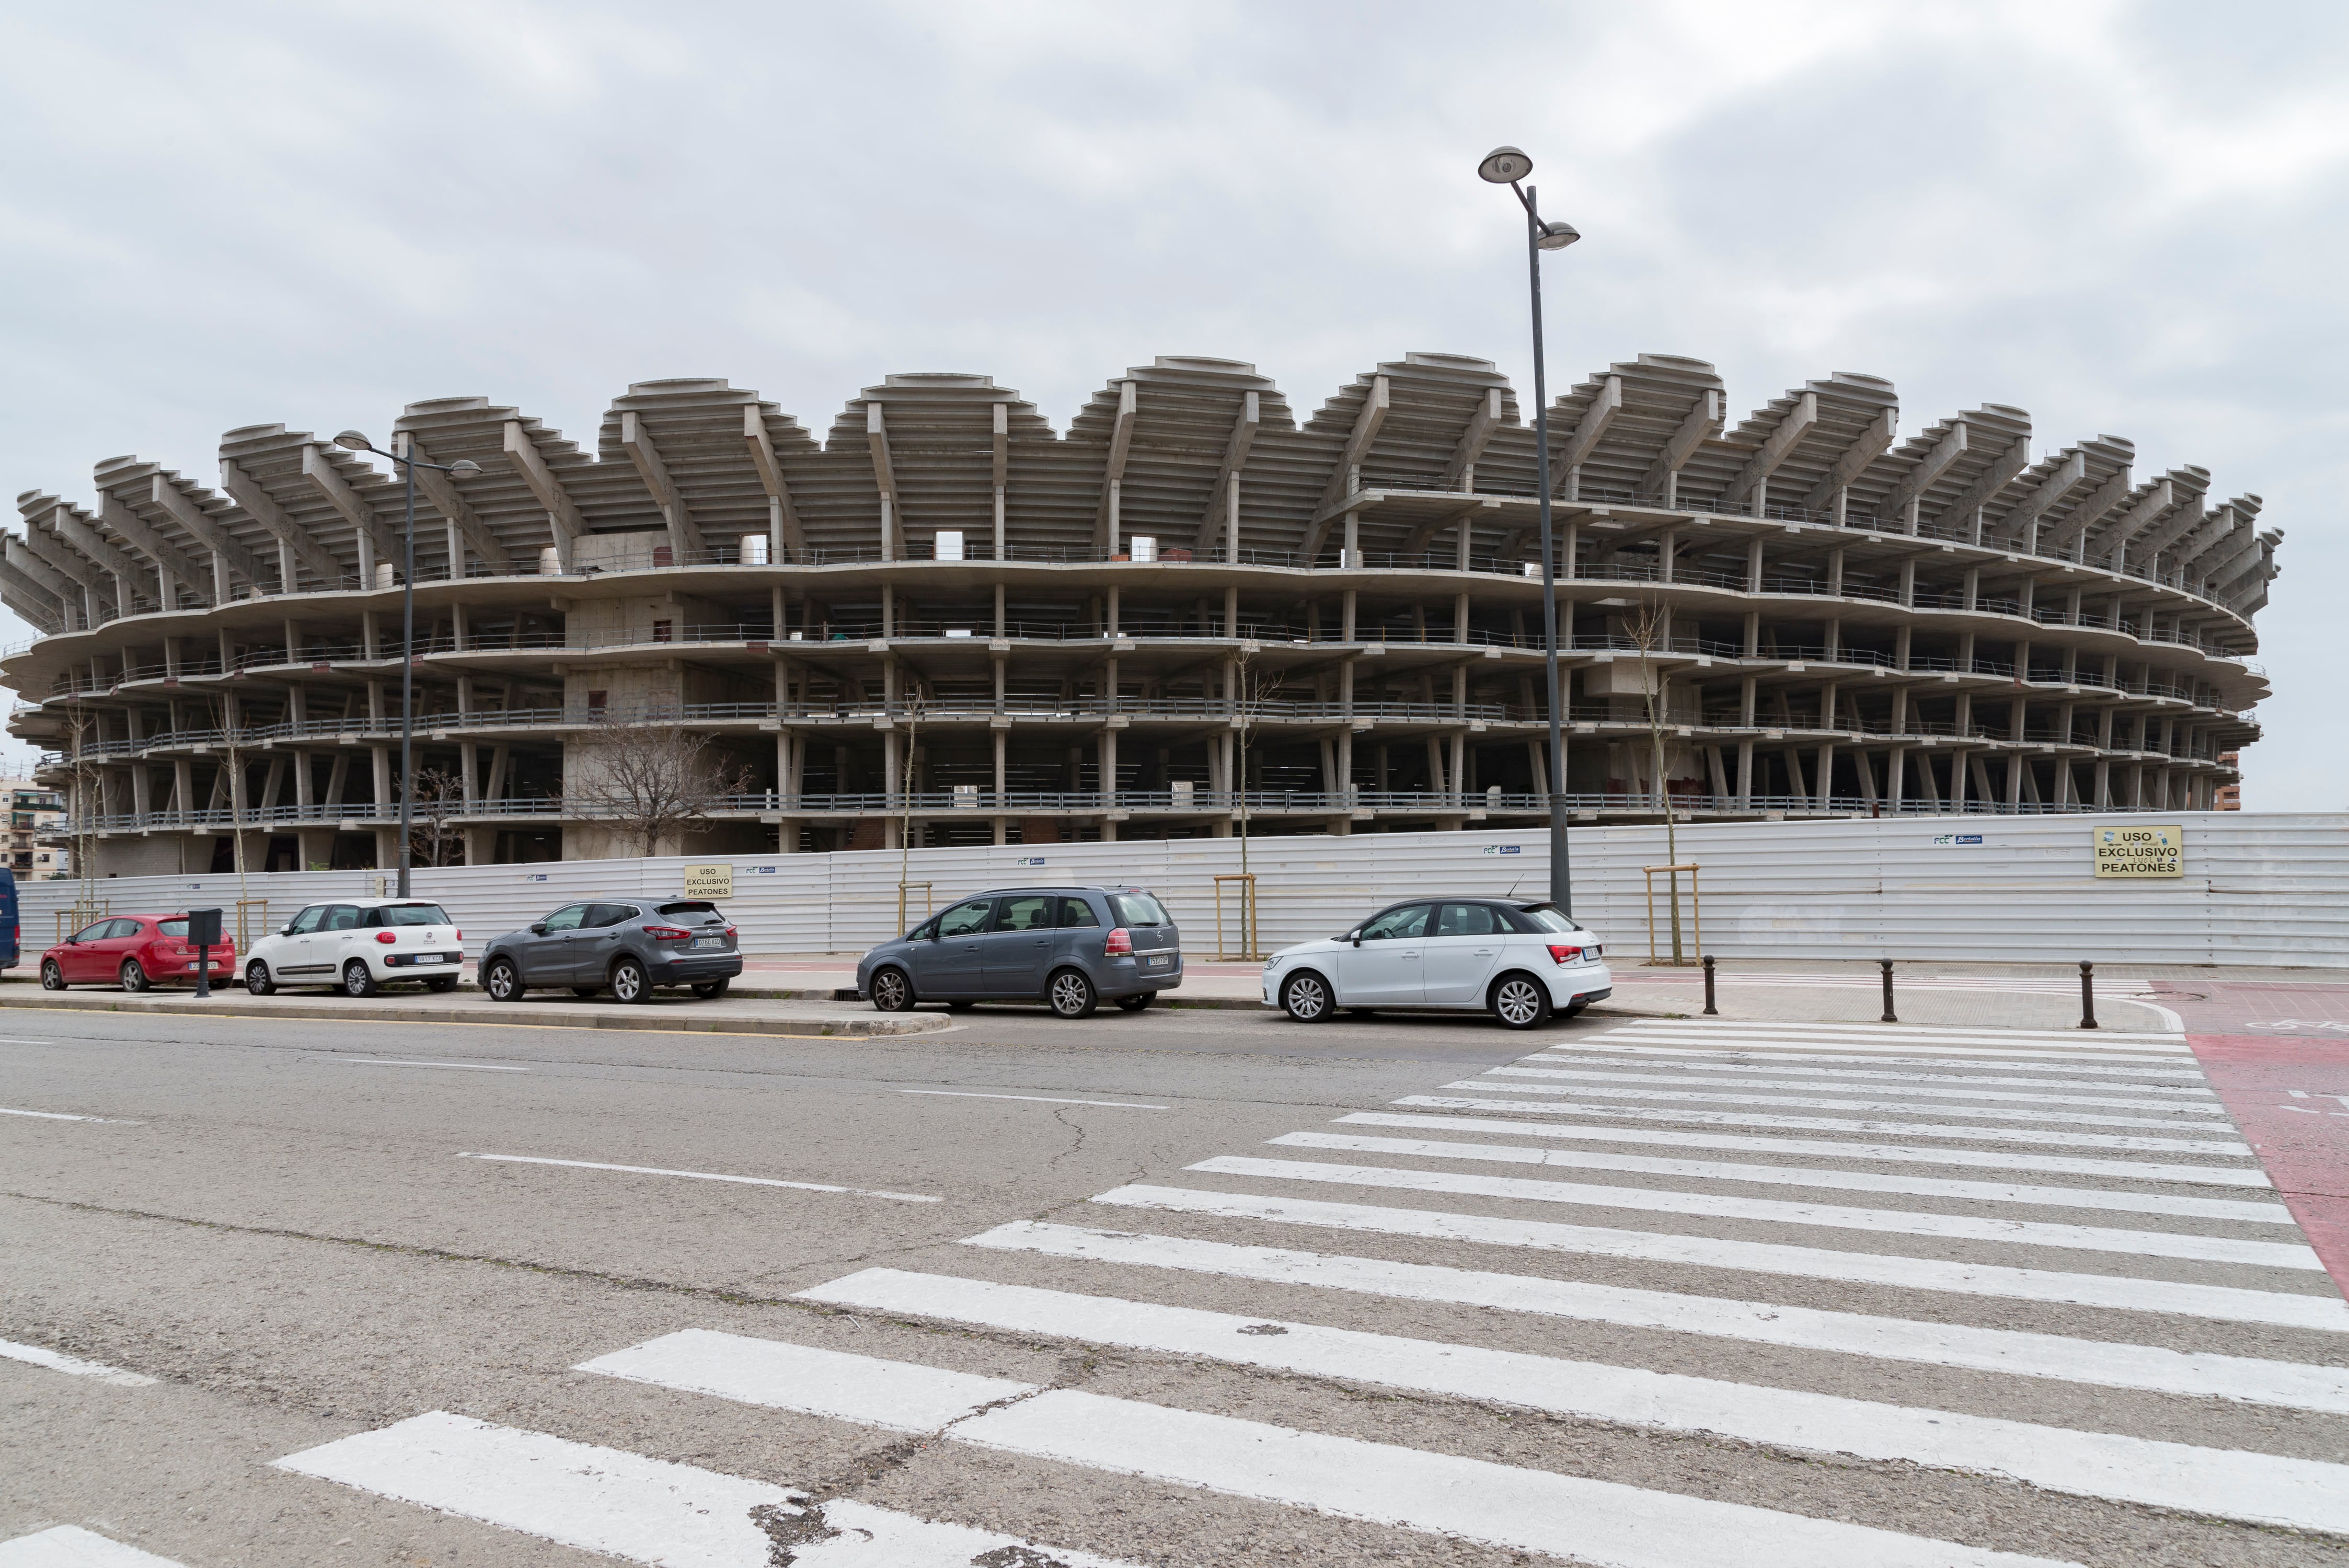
[1522,962]
[358,948]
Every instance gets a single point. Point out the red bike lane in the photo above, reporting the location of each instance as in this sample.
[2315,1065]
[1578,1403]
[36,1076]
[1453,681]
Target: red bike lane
[2278,1056]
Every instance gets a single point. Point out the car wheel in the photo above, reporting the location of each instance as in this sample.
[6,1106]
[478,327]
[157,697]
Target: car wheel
[710,990]
[501,980]
[257,982]
[1305,997]
[629,980]
[586,990]
[358,980]
[893,991]
[134,978]
[1071,994]
[53,978]
[1136,1003]
[1520,1001]
[442,983]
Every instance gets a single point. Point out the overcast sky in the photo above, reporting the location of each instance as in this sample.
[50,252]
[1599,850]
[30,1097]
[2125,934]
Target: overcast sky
[2124,218]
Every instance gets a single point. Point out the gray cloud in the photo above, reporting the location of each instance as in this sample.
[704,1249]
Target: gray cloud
[2124,218]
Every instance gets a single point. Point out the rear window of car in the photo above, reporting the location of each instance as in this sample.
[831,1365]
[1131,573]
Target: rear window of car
[1542,917]
[699,911]
[409,914]
[1137,909]
[171,927]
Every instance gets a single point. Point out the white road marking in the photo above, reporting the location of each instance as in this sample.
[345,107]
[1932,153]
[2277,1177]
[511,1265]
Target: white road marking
[68,1546]
[464,1067]
[1752,1036]
[899,1396]
[58,1361]
[2225,1304]
[2143,1093]
[2076,1039]
[595,1499]
[707,1176]
[2141,1100]
[1576,1051]
[1904,1130]
[1993,1158]
[624,1505]
[2291,1384]
[13,1040]
[1798,1176]
[62,1116]
[1441,1494]
[1773,1211]
[1719,1094]
[1039,1098]
[2262,1487]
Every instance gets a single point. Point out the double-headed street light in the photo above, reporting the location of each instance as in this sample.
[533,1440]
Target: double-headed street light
[463,468]
[1507,165]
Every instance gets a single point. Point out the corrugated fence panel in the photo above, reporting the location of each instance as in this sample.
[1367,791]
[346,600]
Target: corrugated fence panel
[2259,888]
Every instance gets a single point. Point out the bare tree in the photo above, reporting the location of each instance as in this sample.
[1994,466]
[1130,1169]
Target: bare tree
[439,795]
[654,780]
[913,710]
[1252,690]
[80,727]
[1650,633]
[224,709]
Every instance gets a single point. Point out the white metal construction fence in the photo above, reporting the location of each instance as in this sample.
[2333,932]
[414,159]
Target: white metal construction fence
[2259,888]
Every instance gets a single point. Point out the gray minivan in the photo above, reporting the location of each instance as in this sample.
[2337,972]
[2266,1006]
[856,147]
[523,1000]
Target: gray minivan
[1069,947]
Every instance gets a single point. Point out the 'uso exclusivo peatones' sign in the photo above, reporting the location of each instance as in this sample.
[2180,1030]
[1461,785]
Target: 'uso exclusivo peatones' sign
[2134,853]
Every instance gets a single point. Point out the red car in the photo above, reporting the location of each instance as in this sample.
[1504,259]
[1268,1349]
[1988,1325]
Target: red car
[132,951]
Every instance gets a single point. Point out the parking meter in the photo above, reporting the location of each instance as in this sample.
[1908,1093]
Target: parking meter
[204,935]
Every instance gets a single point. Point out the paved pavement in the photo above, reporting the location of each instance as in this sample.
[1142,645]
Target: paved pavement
[1162,1288]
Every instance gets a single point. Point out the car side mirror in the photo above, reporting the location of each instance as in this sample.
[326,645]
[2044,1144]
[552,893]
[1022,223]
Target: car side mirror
[286,929]
[1357,939]
[538,928]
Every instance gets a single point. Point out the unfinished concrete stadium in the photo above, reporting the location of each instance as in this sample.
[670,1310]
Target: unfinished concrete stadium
[945,617]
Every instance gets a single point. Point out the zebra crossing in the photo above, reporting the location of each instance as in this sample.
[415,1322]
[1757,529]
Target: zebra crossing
[1983,1224]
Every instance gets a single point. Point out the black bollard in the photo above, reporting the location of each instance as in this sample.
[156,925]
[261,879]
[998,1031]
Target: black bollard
[2088,995]
[1710,1010]
[1886,965]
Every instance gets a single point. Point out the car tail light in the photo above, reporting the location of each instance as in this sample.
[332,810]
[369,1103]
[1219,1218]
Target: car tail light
[385,937]
[729,932]
[1565,953]
[665,933]
[461,936]
[1118,941]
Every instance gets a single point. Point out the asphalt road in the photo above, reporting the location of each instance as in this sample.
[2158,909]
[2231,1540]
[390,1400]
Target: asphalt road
[1648,1298]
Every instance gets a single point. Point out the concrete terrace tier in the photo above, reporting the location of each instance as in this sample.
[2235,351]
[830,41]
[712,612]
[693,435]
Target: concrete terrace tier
[1186,605]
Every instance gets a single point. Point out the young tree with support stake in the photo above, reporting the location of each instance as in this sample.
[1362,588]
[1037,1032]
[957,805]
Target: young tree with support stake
[1649,629]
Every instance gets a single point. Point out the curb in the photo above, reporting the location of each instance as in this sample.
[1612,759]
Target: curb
[664,1019]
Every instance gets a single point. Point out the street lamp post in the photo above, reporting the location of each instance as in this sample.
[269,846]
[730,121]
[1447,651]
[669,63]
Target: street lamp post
[1507,165]
[463,468]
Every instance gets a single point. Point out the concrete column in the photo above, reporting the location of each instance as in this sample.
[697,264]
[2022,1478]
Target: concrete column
[1827,774]
[1346,629]
[384,806]
[1896,779]
[1745,773]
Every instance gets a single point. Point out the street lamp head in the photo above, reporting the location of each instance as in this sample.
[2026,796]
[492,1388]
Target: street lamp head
[1504,166]
[1558,236]
[354,440]
[464,468]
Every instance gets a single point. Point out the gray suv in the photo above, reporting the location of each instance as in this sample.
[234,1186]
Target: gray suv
[1069,947]
[629,947]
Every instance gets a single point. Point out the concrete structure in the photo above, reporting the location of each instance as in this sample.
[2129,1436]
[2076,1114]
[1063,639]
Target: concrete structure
[1108,632]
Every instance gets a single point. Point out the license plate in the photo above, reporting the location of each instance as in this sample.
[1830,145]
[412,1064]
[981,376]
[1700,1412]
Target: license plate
[710,941]
[1158,962]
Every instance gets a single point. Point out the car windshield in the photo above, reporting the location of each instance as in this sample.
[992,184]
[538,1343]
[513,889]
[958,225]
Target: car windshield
[414,914]
[1542,917]
[1137,909]
[694,912]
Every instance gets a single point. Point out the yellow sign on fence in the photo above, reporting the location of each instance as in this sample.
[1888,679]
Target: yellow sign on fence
[2134,853]
[709,881]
